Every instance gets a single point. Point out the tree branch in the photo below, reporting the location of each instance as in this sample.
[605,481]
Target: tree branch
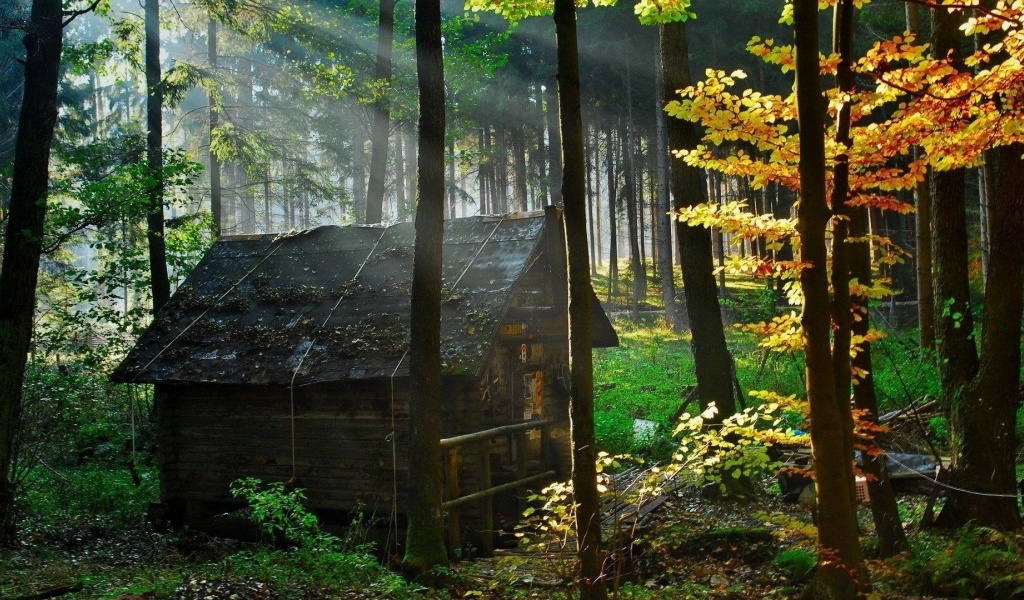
[74,14]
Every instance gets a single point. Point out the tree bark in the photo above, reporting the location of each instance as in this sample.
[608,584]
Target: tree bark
[711,355]
[581,366]
[358,175]
[23,242]
[381,114]
[637,269]
[154,159]
[399,177]
[590,150]
[853,260]
[668,285]
[519,164]
[554,145]
[954,323]
[424,547]
[215,185]
[841,572]
[982,415]
[842,319]
[613,242]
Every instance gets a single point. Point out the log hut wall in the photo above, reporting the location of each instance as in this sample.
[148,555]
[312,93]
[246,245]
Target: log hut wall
[209,435]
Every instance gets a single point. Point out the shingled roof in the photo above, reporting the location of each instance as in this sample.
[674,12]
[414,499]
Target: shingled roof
[333,303]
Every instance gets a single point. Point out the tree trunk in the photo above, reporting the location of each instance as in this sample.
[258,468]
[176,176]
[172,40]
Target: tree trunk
[581,367]
[840,572]
[247,199]
[954,324]
[154,159]
[410,175]
[358,175]
[542,153]
[853,259]
[923,203]
[554,145]
[597,193]
[215,186]
[451,178]
[519,164]
[424,547]
[23,243]
[399,177]
[982,414]
[635,267]
[381,114]
[711,355]
[590,150]
[613,243]
[842,319]
[668,285]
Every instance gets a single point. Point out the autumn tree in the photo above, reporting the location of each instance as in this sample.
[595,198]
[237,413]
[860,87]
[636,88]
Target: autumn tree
[979,393]
[851,258]
[840,572]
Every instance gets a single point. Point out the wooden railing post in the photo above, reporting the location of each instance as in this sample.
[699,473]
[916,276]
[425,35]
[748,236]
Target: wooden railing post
[545,445]
[487,504]
[521,468]
[454,535]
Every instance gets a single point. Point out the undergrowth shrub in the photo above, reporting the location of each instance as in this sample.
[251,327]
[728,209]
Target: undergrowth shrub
[315,557]
[972,562]
[59,497]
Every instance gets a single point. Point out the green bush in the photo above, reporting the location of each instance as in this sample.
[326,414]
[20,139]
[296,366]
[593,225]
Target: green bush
[77,493]
[797,563]
[973,562]
[317,558]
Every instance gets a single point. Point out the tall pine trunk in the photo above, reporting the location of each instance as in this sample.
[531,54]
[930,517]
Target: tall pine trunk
[711,355]
[668,287]
[613,241]
[841,572]
[424,547]
[381,114]
[215,185]
[554,147]
[154,159]
[23,242]
[581,366]
[639,283]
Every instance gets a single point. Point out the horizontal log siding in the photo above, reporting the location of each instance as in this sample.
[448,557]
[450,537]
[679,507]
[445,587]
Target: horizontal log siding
[210,435]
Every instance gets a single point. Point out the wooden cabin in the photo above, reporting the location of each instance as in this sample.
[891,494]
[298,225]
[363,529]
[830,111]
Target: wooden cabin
[284,357]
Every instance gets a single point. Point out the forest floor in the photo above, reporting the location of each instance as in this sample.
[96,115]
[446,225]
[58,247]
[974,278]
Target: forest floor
[693,546]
